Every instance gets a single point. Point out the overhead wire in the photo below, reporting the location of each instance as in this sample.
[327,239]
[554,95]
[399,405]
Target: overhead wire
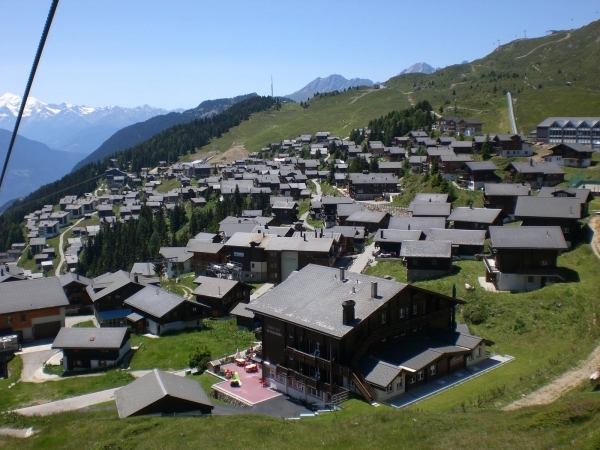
[36,61]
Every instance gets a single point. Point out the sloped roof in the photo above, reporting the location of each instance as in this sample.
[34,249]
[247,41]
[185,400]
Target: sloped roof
[154,386]
[581,194]
[527,238]
[90,338]
[213,287]
[181,254]
[29,295]
[397,236]
[426,249]
[107,284]
[367,216]
[507,189]
[550,207]
[313,298]
[457,237]
[416,223]
[155,301]
[546,168]
[430,209]
[430,197]
[71,277]
[474,215]
[299,244]
[378,372]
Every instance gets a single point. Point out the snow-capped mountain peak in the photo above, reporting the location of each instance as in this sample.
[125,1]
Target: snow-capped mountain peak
[61,126]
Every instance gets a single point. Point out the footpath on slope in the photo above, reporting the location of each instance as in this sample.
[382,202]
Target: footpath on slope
[574,377]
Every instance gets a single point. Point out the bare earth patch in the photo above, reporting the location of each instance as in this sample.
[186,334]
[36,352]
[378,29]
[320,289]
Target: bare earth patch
[558,387]
[368,91]
[237,151]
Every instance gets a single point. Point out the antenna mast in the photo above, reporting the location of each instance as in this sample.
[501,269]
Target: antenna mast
[271,85]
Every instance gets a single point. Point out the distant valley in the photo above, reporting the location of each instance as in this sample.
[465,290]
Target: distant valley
[68,127]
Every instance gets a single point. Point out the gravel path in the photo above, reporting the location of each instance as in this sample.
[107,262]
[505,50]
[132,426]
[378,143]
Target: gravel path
[60,248]
[573,378]
[558,387]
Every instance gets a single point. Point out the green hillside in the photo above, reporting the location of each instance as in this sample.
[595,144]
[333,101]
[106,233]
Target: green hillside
[535,71]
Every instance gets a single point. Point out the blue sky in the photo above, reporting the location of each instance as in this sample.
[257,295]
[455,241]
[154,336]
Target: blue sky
[177,53]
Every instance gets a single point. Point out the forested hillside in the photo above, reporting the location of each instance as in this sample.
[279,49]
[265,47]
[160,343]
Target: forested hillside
[142,131]
[168,145]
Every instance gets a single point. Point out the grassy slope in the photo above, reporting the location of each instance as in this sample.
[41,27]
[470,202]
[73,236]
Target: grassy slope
[572,423]
[547,330]
[575,57]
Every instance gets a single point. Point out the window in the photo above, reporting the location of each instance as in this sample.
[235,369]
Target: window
[399,384]
[253,265]
[566,230]
[413,379]
[273,265]
[299,386]
[396,335]
[101,363]
[478,351]
[432,369]
[273,274]
[315,393]
[403,333]
[434,262]
[543,262]
[389,388]
[530,279]
[402,312]
[273,254]
[10,320]
[414,262]
[420,375]
[23,318]
[309,255]
[291,335]
[383,318]
[383,339]
[415,309]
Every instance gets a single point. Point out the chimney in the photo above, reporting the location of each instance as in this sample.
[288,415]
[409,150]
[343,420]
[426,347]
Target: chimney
[266,226]
[316,235]
[547,234]
[408,228]
[531,162]
[374,289]
[305,238]
[529,192]
[470,205]
[135,277]
[1,272]
[381,234]
[342,274]
[348,312]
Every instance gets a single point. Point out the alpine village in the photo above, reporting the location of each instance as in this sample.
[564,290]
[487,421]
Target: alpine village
[421,273]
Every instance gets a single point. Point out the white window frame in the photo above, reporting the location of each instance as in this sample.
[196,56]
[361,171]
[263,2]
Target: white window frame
[420,375]
[389,388]
[432,369]
[383,318]
[401,314]
[415,309]
[399,384]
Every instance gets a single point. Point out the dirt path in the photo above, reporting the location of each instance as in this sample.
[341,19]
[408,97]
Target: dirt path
[61,252]
[568,36]
[558,387]
[410,99]
[368,91]
[574,377]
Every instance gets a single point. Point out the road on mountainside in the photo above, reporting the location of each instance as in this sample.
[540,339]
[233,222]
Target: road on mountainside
[511,113]
[69,404]
[547,43]
[319,193]
[60,248]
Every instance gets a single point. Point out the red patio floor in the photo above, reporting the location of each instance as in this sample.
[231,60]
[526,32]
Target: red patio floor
[251,389]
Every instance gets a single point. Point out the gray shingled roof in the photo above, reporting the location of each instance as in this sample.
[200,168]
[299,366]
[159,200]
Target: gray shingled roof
[481,165]
[313,297]
[397,236]
[30,295]
[551,207]
[537,167]
[241,310]
[366,216]
[416,223]
[581,194]
[181,254]
[345,210]
[335,200]
[108,283]
[474,215]
[378,372]
[155,301]
[507,189]
[240,239]
[196,246]
[213,287]
[421,197]
[457,237]
[527,238]
[299,244]
[430,209]
[154,386]
[70,277]
[90,338]
[426,249]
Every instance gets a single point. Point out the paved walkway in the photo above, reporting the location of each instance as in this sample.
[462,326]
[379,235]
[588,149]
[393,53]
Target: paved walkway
[449,381]
[511,114]
[262,291]
[306,225]
[69,404]
[361,262]
[74,320]
[319,193]
[60,248]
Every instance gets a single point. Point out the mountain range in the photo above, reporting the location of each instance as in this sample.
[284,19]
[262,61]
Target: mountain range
[69,127]
[142,131]
[32,164]
[331,83]
[421,67]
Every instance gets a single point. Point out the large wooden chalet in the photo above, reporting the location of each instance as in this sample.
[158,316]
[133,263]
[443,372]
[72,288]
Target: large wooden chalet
[327,333]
